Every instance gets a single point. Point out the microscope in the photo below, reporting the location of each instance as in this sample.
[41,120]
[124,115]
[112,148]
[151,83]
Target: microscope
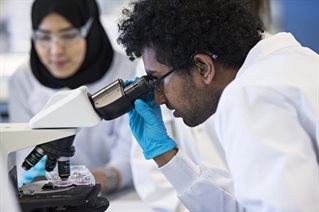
[52,132]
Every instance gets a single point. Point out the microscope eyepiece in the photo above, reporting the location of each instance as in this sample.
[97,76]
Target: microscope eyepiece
[117,98]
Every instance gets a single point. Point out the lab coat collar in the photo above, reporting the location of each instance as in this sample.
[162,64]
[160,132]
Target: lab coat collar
[268,45]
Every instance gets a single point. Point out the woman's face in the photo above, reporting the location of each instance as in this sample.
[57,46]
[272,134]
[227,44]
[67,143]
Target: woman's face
[60,47]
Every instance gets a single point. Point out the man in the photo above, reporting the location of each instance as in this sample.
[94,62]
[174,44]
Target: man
[210,58]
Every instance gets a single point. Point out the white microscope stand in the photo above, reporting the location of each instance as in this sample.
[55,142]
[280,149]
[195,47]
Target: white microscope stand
[17,136]
[64,113]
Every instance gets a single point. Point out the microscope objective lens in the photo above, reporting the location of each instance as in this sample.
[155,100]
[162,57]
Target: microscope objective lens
[32,159]
[64,169]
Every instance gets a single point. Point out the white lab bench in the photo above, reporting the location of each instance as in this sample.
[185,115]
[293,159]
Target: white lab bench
[127,200]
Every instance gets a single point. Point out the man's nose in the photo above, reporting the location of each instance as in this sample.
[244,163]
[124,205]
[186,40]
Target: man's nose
[159,97]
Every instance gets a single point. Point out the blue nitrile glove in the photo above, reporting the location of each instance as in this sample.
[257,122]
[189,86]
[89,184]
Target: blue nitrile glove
[127,82]
[148,128]
[37,170]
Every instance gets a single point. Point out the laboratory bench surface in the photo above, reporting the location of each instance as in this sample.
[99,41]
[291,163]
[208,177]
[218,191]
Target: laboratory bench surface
[126,200]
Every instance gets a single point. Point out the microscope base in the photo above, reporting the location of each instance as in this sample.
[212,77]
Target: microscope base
[74,198]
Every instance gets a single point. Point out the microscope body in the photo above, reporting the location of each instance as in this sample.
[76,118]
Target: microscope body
[53,129]
[78,108]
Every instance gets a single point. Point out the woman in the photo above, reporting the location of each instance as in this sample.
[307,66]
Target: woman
[70,48]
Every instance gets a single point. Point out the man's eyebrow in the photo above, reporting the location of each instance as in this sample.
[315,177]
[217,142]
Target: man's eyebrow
[150,72]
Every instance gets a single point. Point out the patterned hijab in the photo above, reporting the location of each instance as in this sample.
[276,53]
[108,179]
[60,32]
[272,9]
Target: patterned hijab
[99,52]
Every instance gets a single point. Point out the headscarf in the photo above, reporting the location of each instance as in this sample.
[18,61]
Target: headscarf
[99,52]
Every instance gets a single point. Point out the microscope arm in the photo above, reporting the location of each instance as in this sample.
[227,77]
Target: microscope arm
[17,136]
[67,109]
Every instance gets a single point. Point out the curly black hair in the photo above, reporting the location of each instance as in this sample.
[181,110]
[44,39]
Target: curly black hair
[177,29]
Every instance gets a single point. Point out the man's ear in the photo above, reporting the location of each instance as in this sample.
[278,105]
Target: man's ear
[205,66]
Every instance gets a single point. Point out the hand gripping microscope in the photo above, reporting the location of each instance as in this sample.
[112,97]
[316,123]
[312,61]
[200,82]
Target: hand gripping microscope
[52,132]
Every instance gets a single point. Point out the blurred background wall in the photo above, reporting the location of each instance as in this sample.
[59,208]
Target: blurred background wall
[300,17]
[15,24]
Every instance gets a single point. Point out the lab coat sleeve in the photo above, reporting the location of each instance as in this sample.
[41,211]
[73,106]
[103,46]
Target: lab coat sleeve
[199,187]
[150,184]
[270,154]
[19,110]
[120,151]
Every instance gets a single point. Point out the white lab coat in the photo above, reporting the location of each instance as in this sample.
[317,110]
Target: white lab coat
[108,143]
[150,184]
[267,123]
